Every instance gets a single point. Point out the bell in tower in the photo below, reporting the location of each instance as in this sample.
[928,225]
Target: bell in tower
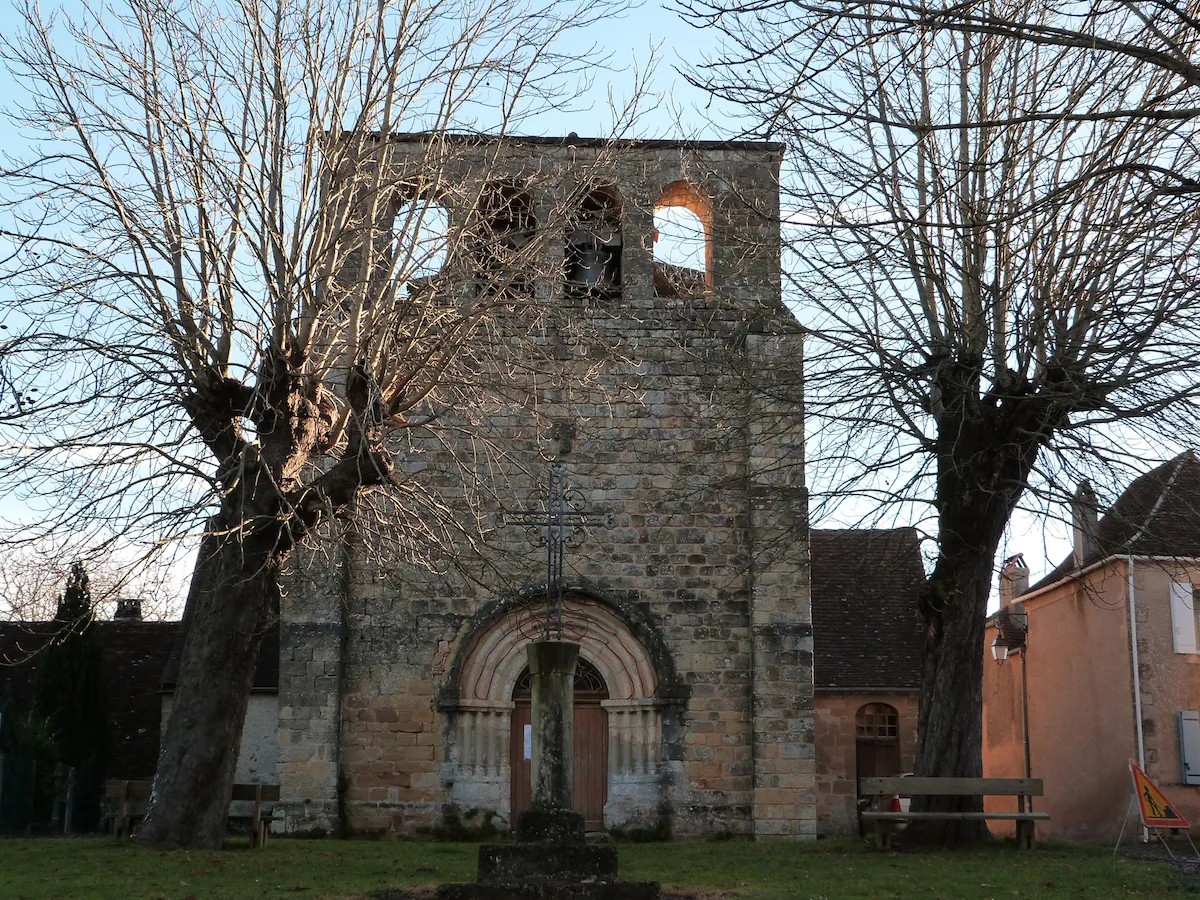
[593,247]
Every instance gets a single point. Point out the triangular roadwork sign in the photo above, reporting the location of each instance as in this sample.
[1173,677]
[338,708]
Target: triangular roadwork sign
[1156,809]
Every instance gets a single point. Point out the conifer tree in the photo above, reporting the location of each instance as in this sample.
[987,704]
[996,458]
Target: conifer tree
[69,697]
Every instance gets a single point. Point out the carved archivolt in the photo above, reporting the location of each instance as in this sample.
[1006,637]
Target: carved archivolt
[478,739]
[497,658]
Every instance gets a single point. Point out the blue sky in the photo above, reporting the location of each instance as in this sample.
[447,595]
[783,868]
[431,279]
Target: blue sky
[651,36]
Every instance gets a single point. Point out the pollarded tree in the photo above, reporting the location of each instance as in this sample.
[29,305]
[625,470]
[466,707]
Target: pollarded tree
[226,299]
[997,273]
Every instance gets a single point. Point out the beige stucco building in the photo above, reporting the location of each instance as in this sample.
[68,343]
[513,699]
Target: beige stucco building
[1111,658]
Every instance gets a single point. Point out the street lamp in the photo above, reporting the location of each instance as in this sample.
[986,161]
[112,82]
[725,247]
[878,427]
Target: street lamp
[999,650]
[1012,634]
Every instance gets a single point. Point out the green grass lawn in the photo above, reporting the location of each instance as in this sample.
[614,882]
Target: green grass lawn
[102,869]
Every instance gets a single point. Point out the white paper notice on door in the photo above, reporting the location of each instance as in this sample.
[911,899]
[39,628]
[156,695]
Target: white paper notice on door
[528,736]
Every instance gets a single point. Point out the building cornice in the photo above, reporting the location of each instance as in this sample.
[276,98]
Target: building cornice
[1099,564]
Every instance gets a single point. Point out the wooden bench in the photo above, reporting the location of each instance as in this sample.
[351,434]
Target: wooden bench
[260,821]
[880,790]
[127,801]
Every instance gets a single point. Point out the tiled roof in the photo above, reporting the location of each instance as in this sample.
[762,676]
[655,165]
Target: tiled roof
[266,674]
[866,628]
[133,655]
[1158,515]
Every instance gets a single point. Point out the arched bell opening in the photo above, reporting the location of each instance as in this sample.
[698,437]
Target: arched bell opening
[420,243]
[505,226]
[592,255]
[683,252]
[589,728]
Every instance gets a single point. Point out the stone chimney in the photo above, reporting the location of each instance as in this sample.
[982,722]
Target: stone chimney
[128,610]
[1084,523]
[1014,580]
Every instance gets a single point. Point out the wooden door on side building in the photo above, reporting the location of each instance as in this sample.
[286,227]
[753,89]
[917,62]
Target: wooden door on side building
[589,789]
[877,741]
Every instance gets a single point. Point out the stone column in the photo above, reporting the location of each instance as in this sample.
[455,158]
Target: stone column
[552,712]
[312,636]
[784,787]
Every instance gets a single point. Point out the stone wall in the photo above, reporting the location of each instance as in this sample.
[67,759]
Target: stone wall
[784,797]
[311,644]
[836,752]
[661,412]
[258,755]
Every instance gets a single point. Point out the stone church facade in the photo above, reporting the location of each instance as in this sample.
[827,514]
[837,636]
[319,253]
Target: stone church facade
[676,416]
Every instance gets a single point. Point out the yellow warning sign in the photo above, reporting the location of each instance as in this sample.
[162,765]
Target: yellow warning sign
[1156,809]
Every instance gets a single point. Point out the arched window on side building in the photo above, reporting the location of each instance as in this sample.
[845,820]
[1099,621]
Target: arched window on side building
[877,741]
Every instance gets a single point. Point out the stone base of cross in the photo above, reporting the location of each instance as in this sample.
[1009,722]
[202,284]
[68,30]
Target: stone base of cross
[551,858]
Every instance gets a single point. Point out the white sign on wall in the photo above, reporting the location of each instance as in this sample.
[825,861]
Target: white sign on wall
[528,735]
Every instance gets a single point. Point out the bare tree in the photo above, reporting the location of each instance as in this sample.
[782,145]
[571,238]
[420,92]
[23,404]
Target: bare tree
[30,587]
[32,579]
[229,300]
[1159,34]
[998,277]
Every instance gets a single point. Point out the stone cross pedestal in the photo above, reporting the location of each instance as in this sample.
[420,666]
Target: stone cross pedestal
[551,860]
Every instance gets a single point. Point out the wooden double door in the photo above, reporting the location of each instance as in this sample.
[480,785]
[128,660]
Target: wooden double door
[589,790]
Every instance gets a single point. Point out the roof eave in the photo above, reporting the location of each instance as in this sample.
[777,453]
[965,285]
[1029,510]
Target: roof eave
[1099,564]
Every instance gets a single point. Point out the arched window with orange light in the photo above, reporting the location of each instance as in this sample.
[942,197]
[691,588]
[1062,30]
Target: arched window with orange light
[682,241]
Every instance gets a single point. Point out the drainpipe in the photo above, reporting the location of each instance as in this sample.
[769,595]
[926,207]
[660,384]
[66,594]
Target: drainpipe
[1130,601]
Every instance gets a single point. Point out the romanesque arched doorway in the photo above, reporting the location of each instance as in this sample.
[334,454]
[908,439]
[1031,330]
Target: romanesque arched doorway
[589,790]
[484,747]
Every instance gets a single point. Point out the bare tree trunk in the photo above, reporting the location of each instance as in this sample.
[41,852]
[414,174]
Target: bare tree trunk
[234,590]
[985,455]
[950,720]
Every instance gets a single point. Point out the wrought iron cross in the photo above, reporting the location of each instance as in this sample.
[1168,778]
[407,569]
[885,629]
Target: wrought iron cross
[558,517]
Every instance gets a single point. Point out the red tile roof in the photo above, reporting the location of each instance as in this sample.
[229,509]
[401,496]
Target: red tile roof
[1157,515]
[866,628]
[133,655]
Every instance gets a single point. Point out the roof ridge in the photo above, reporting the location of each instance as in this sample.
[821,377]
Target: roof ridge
[1167,487]
[856,530]
[1146,518]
